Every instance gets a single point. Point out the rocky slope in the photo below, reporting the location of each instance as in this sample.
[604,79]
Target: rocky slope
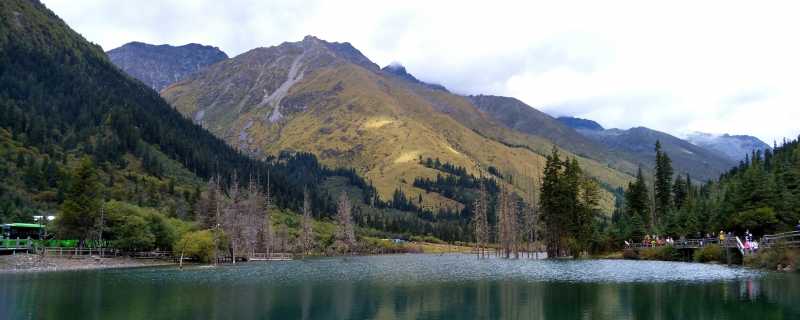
[735,147]
[161,65]
[329,99]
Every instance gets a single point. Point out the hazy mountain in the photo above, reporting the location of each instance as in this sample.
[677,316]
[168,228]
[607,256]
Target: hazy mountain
[519,116]
[699,162]
[328,99]
[399,70]
[583,124]
[735,147]
[161,65]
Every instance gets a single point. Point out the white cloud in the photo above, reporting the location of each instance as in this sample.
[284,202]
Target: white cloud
[713,66]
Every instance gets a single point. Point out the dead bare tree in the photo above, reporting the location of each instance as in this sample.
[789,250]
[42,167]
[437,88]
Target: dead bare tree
[267,236]
[207,204]
[307,236]
[531,216]
[232,223]
[481,221]
[345,233]
[253,217]
[507,224]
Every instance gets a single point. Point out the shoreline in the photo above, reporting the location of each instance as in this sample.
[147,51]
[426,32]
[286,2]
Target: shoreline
[30,263]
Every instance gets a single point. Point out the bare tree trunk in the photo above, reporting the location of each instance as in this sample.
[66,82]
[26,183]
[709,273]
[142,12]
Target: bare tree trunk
[307,232]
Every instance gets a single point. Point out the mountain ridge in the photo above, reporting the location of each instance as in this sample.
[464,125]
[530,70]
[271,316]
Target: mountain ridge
[332,101]
[160,65]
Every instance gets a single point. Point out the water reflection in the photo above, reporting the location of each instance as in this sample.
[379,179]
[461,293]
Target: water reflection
[407,287]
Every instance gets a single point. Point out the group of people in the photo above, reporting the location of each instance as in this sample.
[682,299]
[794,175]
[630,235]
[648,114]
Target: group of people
[749,244]
[656,241]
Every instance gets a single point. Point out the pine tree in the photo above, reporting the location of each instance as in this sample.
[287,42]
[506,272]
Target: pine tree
[663,186]
[637,201]
[81,207]
[550,203]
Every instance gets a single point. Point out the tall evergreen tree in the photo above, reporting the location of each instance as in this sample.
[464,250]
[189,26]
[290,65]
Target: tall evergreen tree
[637,202]
[663,186]
[82,202]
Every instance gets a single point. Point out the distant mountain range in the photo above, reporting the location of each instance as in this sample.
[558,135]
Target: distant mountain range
[638,144]
[329,99]
[735,147]
[160,65]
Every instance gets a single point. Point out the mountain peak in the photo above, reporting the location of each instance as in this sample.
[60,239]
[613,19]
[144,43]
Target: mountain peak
[581,124]
[397,69]
[314,48]
[161,65]
[735,147]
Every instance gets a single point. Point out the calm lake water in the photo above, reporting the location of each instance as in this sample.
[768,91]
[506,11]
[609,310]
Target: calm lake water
[407,287]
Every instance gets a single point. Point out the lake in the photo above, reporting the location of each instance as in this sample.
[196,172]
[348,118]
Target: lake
[407,287]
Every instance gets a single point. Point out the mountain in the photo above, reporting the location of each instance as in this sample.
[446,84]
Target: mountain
[735,147]
[160,65]
[638,143]
[581,124]
[517,115]
[399,70]
[328,99]
[62,102]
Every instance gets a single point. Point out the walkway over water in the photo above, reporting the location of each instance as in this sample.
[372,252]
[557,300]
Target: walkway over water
[786,239]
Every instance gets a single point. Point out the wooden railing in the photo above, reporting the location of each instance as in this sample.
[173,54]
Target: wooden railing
[79,252]
[788,239]
[270,256]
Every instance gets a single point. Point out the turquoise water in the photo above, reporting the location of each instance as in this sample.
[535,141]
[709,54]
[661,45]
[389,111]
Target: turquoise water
[407,287]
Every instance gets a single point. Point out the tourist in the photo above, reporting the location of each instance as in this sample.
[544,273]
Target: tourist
[797,227]
[721,236]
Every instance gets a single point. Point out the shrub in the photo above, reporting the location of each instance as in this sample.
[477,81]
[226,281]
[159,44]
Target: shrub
[630,254]
[197,245]
[130,227]
[666,253]
[773,257]
[708,254]
[429,239]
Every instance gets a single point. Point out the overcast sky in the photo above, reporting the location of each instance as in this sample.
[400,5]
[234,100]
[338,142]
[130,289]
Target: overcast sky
[718,67]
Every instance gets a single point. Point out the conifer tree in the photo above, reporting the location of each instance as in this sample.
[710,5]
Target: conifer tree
[663,186]
[81,207]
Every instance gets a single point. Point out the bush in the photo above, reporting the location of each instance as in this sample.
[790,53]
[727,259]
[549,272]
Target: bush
[772,258]
[666,253]
[133,228]
[630,254]
[197,245]
[429,239]
[708,254]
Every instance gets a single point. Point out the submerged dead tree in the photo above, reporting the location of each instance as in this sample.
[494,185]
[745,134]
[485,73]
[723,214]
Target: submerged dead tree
[531,218]
[507,223]
[481,221]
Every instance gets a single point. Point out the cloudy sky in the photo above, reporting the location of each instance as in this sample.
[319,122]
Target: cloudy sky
[719,67]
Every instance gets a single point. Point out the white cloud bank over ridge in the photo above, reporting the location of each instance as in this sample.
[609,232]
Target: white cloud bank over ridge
[711,66]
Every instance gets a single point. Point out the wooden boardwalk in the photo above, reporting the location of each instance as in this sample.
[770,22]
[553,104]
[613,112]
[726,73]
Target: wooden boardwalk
[787,239]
